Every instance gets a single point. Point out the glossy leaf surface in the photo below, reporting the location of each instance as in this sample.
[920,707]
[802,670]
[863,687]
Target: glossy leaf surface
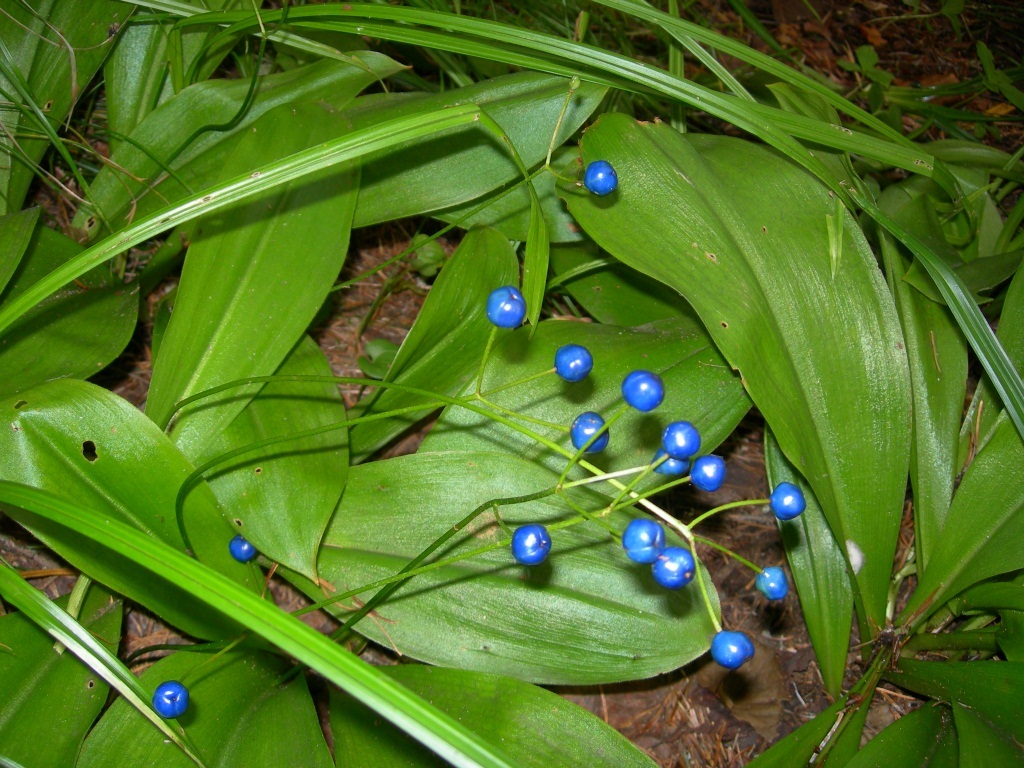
[586,615]
[536,727]
[699,387]
[819,572]
[800,746]
[981,746]
[15,234]
[239,714]
[923,737]
[48,700]
[283,495]
[741,233]
[75,332]
[84,443]
[253,278]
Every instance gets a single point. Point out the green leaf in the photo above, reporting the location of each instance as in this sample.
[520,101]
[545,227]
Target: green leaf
[535,264]
[56,47]
[239,713]
[741,233]
[283,499]
[610,291]
[587,615]
[536,727]
[156,167]
[984,527]
[75,332]
[15,234]
[801,745]
[699,387]
[923,737]
[937,354]
[992,690]
[49,700]
[819,572]
[254,277]
[433,728]
[378,357]
[981,746]
[444,345]
[84,443]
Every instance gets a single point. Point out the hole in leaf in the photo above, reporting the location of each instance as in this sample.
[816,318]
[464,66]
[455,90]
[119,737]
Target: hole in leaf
[89,451]
[91,684]
[724,324]
[238,522]
[20,404]
[258,470]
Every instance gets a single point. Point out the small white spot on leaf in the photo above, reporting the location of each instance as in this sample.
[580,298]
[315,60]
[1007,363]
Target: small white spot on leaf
[856,556]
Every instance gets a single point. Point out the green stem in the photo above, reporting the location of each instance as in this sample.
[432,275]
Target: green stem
[75,602]
[730,505]
[704,587]
[981,640]
[483,360]
[738,558]
[518,382]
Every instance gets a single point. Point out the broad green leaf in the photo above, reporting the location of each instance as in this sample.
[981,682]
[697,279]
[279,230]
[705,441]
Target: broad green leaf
[536,727]
[844,744]
[800,746]
[49,700]
[981,746]
[443,348]
[284,496]
[819,573]
[535,264]
[982,534]
[587,615]
[923,737]
[610,291]
[75,332]
[442,171]
[138,181]
[741,233]
[937,354]
[15,234]
[56,47]
[699,387]
[254,277]
[409,712]
[240,713]
[84,443]
[992,690]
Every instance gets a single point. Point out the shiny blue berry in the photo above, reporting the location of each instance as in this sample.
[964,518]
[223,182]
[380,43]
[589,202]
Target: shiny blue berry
[731,649]
[681,440]
[600,178]
[531,544]
[170,699]
[643,390]
[573,362]
[674,567]
[242,549]
[506,307]
[772,583]
[643,540]
[670,466]
[708,472]
[787,501]
[585,427]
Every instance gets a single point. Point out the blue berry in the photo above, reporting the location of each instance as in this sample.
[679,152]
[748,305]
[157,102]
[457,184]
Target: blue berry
[531,544]
[506,307]
[787,501]
[670,466]
[674,567]
[732,649]
[708,472]
[573,362]
[170,699]
[241,549]
[600,178]
[586,426]
[643,540]
[681,440]
[643,390]
[772,583]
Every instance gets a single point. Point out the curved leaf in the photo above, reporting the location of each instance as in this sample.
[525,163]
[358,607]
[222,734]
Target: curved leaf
[239,714]
[923,737]
[254,277]
[49,700]
[819,572]
[16,231]
[799,747]
[532,724]
[82,442]
[742,234]
[587,615]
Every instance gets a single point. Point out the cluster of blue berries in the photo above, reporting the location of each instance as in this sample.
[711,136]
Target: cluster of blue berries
[644,539]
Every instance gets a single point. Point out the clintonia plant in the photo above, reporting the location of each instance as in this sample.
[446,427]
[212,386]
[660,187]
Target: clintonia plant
[720,273]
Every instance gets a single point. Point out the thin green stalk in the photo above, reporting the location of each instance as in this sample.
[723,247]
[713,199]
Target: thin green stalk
[731,505]
[725,550]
